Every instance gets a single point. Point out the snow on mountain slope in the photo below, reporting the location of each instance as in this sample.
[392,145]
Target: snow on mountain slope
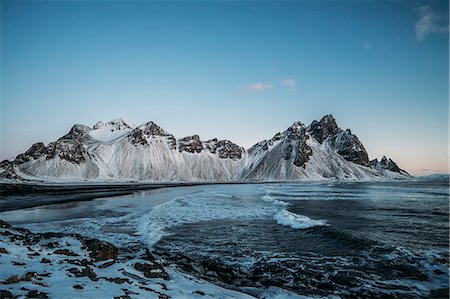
[109,131]
[118,151]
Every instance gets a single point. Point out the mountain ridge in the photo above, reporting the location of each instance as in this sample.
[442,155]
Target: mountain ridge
[117,151]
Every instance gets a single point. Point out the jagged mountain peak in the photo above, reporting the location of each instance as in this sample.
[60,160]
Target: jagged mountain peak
[115,124]
[324,128]
[116,150]
[190,144]
[77,132]
[151,128]
[386,164]
[144,132]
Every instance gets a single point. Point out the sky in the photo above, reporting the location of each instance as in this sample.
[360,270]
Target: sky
[237,70]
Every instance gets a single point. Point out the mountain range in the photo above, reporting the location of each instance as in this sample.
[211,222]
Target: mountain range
[119,151]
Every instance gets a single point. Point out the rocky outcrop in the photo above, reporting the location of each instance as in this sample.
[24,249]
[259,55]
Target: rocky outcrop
[350,148]
[299,150]
[190,144]
[140,135]
[225,149]
[386,164]
[320,130]
[113,125]
[34,152]
[343,142]
[68,150]
[39,261]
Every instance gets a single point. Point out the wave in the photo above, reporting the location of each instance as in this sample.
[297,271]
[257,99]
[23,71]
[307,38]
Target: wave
[287,218]
[198,207]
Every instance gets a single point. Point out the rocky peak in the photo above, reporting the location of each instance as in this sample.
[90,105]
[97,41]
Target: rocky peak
[211,145]
[225,149]
[140,134]
[296,131]
[349,147]
[320,130]
[229,150]
[151,129]
[34,152]
[113,125]
[386,164]
[77,132]
[190,144]
[297,149]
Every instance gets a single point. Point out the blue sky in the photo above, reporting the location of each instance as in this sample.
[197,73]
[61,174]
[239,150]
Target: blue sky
[237,70]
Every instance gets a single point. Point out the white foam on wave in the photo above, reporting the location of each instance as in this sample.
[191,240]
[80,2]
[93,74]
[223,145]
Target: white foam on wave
[287,218]
[197,207]
[269,198]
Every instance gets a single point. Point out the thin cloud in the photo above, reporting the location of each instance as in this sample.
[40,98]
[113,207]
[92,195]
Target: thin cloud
[289,83]
[367,45]
[258,86]
[430,22]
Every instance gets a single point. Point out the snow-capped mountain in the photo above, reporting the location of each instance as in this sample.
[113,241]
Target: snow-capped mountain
[119,151]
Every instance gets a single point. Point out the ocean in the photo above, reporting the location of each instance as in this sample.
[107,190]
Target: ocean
[348,240]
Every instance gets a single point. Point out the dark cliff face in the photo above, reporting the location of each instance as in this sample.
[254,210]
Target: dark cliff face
[293,144]
[320,130]
[297,148]
[190,144]
[69,147]
[345,143]
[139,135]
[350,148]
[225,149]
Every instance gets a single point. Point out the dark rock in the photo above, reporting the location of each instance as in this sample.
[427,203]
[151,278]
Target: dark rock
[3,251]
[19,264]
[386,164]
[77,132]
[288,152]
[224,273]
[107,264]
[152,270]
[296,137]
[211,145]
[320,130]
[4,224]
[140,135]
[78,287]
[34,152]
[86,271]
[344,142]
[199,292]
[224,148]
[350,148]
[12,279]
[83,262]
[9,172]
[67,150]
[65,252]
[37,294]
[100,250]
[51,245]
[114,125]
[190,144]
[229,150]
[118,280]
[6,294]
[45,261]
